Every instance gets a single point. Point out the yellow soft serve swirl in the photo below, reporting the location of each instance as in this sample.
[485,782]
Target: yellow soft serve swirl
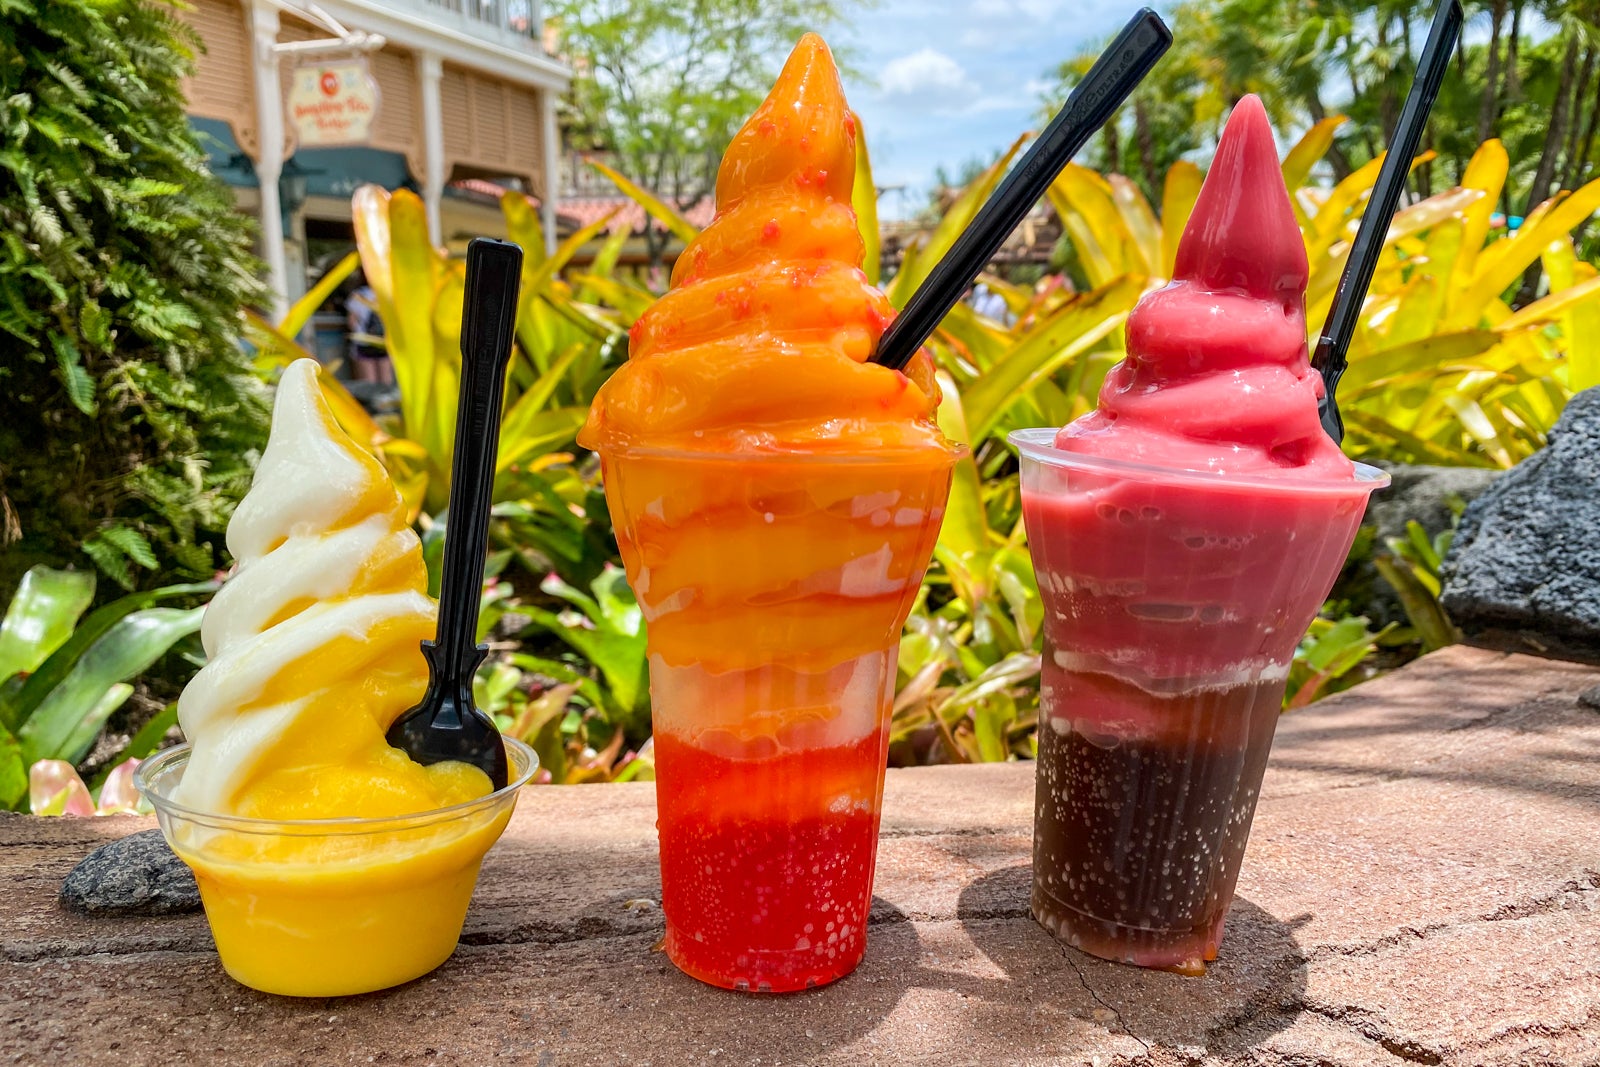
[313,645]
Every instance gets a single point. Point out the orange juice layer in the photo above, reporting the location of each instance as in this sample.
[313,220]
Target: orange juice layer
[805,564]
[767,864]
[762,343]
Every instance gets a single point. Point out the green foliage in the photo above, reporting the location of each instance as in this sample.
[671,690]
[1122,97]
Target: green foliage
[1534,84]
[1328,657]
[574,741]
[1412,568]
[605,634]
[664,86]
[62,675]
[129,422]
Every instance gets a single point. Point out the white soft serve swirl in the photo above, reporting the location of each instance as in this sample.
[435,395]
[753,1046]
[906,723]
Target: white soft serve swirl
[303,540]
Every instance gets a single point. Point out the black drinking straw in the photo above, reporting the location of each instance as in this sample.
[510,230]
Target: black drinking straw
[1345,312]
[1120,68]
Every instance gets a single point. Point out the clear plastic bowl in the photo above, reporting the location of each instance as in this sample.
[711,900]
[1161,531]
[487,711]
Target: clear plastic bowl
[332,907]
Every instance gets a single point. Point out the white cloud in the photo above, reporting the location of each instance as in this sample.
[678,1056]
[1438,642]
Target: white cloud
[1037,10]
[927,72]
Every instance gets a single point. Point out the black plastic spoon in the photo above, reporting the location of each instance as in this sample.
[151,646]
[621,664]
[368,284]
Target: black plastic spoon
[446,725]
[1118,71]
[1345,312]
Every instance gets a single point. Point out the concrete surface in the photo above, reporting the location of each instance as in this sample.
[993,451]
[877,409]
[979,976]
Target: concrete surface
[1423,886]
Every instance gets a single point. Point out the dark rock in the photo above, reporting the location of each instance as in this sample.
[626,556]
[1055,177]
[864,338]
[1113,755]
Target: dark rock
[1590,698]
[1428,495]
[136,875]
[1524,572]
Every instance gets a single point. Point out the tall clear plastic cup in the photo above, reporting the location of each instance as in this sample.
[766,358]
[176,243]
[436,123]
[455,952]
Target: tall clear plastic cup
[1174,601]
[775,587]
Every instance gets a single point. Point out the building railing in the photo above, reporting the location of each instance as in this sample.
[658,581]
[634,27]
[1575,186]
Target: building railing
[520,19]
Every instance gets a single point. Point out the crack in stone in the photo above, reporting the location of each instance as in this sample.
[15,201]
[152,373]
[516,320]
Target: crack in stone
[1509,912]
[1070,956]
[1400,1048]
[969,831]
[1540,1029]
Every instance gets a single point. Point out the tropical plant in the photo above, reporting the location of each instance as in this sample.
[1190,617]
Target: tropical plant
[62,675]
[1534,84]
[1328,658]
[129,420]
[528,706]
[604,632]
[1412,568]
[566,343]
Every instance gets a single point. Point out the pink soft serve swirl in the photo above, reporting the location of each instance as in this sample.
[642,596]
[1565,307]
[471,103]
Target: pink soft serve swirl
[1216,377]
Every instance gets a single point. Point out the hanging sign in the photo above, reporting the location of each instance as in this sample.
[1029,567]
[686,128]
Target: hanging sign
[333,103]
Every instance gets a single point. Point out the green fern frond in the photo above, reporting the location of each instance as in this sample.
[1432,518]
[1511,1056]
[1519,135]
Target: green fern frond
[111,561]
[76,380]
[132,544]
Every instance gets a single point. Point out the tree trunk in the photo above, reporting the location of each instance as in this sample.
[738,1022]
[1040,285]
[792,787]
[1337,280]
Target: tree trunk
[1511,84]
[1489,109]
[1579,131]
[1556,131]
[1388,106]
[1424,173]
[1113,139]
[1145,140]
[1554,134]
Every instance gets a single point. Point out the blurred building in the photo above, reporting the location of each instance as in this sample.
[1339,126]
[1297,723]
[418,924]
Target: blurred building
[301,102]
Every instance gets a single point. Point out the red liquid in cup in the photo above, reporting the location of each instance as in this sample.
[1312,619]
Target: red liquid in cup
[768,897]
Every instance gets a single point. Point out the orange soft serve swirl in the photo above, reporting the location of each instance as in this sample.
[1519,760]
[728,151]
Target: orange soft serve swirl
[761,344]
[314,644]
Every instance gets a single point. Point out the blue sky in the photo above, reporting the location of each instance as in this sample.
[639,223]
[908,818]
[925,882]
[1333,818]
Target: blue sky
[954,79]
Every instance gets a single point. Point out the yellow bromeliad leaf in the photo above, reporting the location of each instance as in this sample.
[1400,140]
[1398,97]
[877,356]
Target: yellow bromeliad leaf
[1139,221]
[1018,298]
[966,525]
[1309,150]
[1574,300]
[1576,296]
[517,430]
[301,310]
[1486,172]
[1178,194]
[975,341]
[1081,192]
[1333,221]
[1372,432]
[524,226]
[1046,347]
[1556,219]
[628,300]
[1425,354]
[864,198]
[535,282]
[545,430]
[404,269]
[435,426]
